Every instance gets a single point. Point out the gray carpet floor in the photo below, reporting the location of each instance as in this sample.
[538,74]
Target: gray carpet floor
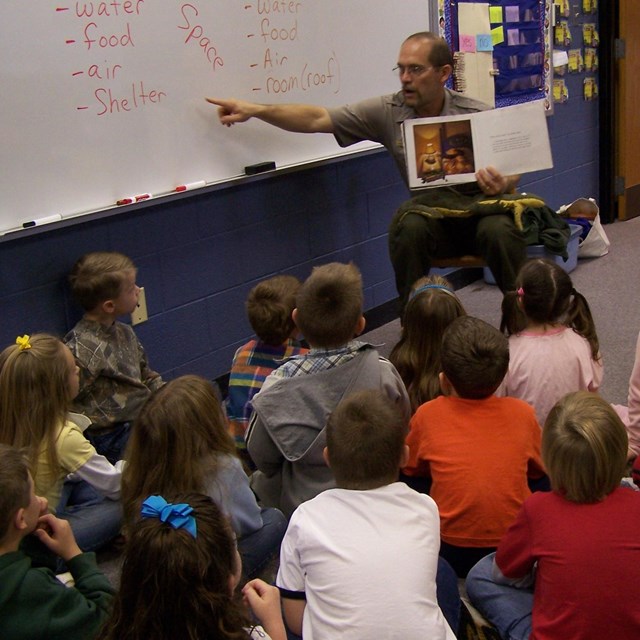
[609,283]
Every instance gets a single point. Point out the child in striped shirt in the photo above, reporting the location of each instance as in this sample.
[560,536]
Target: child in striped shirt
[269,307]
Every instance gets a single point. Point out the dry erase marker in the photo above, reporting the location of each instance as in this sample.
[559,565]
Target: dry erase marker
[39,221]
[191,185]
[132,199]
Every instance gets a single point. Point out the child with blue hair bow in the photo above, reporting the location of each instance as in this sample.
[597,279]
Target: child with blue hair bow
[179,577]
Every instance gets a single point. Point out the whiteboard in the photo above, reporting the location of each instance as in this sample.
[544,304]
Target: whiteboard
[102,100]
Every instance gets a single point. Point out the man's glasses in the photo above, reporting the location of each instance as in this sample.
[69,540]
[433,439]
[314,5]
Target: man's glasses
[412,70]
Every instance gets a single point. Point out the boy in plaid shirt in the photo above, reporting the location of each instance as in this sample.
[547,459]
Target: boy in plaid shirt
[269,307]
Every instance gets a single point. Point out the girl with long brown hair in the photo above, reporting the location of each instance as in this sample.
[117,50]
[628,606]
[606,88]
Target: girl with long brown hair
[180,442]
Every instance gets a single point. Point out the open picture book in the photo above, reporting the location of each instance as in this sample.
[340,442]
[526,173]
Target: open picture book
[450,149]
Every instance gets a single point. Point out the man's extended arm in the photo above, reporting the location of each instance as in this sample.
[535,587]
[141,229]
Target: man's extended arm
[305,118]
[299,118]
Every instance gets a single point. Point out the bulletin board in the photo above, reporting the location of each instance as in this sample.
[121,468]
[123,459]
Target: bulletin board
[576,39]
[508,40]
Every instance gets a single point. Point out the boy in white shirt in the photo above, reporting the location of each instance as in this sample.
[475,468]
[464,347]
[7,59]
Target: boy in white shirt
[371,530]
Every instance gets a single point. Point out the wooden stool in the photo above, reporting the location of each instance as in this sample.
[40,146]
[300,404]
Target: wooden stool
[460,270]
[458,262]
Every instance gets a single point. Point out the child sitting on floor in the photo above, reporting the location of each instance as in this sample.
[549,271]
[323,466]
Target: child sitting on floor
[633,418]
[33,603]
[181,443]
[286,435]
[38,381]
[370,531]
[179,577]
[269,307]
[431,307]
[577,545]
[479,450]
[115,377]
[553,344]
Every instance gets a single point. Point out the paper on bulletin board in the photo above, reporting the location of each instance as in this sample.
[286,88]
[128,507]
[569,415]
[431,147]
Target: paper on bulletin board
[476,72]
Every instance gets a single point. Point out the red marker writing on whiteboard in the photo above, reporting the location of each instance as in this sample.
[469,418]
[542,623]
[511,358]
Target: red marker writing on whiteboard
[191,185]
[132,199]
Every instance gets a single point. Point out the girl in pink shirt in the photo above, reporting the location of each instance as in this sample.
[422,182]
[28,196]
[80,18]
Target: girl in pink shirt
[553,344]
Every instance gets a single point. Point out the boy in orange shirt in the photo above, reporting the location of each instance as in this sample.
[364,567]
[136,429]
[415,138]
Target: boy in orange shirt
[479,450]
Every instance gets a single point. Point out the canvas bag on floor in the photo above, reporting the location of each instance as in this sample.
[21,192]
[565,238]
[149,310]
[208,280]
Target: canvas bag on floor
[596,243]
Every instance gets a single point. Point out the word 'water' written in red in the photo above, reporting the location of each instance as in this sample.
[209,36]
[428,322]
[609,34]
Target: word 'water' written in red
[278,6]
[108,9]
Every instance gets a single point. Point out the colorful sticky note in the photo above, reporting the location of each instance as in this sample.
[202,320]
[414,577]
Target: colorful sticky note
[497,35]
[495,15]
[512,14]
[467,43]
[484,42]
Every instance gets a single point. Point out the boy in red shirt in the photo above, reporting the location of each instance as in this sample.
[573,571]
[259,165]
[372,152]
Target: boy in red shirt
[578,545]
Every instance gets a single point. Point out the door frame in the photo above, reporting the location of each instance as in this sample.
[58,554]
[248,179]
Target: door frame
[608,18]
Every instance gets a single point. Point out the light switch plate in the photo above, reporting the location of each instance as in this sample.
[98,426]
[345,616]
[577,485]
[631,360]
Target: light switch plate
[140,312]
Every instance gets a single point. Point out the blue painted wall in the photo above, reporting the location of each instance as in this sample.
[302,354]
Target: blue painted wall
[199,256]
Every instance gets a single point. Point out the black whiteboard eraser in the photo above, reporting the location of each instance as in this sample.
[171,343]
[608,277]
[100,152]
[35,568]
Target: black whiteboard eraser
[261,167]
